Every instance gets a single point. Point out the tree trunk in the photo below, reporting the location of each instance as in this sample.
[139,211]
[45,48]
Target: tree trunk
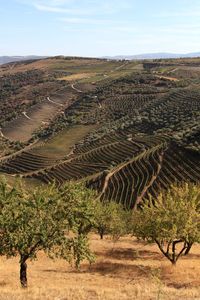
[101,232]
[188,248]
[173,262]
[23,273]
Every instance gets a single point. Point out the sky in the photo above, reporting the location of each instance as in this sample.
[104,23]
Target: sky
[98,27]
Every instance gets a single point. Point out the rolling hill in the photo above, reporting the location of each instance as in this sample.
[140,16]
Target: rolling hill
[127,129]
[9,59]
[164,55]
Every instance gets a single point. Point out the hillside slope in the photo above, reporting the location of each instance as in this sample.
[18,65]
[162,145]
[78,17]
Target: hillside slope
[126,129]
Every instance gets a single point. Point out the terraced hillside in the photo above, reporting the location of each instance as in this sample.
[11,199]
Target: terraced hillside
[148,173]
[127,132]
[26,162]
[31,91]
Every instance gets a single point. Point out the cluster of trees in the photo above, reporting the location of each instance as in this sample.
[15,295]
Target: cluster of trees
[86,109]
[15,98]
[11,83]
[58,221]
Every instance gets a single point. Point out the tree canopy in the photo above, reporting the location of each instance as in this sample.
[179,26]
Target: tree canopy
[170,220]
[45,219]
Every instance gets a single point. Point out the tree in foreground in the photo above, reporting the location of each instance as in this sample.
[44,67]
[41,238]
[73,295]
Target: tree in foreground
[111,218]
[81,218]
[44,219]
[172,221]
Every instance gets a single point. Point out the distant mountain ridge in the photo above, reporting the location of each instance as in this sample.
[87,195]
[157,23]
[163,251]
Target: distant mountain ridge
[8,59]
[161,55]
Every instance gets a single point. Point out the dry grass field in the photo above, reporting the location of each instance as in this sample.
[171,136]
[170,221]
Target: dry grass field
[124,270]
[77,76]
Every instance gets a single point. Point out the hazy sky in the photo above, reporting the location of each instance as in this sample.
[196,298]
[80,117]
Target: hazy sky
[98,27]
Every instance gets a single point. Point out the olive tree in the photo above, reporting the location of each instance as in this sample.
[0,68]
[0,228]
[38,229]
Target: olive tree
[172,220]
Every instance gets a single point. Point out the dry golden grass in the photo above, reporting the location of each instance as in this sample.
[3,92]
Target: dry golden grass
[77,76]
[167,78]
[124,270]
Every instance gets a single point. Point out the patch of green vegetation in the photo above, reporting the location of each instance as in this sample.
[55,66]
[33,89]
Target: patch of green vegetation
[61,144]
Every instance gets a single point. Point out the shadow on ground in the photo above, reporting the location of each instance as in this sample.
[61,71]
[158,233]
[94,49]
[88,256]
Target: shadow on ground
[112,269]
[130,254]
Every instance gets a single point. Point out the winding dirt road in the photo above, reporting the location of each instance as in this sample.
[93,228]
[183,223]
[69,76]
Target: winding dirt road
[74,88]
[26,116]
[54,102]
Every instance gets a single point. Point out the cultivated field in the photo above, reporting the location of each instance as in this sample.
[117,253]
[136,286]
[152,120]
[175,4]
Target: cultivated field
[129,130]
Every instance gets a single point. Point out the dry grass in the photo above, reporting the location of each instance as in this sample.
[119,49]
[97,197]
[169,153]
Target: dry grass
[125,270]
[167,78]
[77,76]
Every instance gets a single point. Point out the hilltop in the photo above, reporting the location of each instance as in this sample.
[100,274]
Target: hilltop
[144,56]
